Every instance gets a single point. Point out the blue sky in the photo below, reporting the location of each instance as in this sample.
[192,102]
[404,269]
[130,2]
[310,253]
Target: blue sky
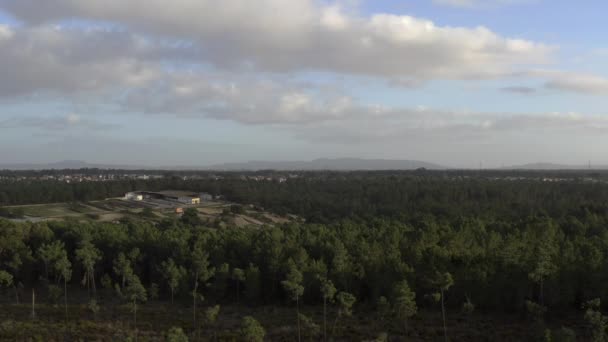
[455,82]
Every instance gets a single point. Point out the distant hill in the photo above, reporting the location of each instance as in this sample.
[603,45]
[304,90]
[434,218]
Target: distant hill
[551,166]
[341,164]
[66,164]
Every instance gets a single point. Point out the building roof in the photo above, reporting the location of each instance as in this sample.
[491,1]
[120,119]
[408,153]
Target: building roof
[177,193]
[170,193]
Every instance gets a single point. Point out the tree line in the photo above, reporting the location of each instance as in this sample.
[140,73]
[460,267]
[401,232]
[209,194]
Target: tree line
[394,246]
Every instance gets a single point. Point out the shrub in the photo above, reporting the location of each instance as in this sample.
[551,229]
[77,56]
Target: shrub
[252,330]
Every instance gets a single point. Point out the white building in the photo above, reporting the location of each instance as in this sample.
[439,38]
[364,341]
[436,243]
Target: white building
[134,196]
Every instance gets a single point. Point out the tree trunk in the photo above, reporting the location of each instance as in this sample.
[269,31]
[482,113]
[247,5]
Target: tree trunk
[171,296]
[237,291]
[333,328]
[33,304]
[324,318]
[93,283]
[445,330]
[194,304]
[88,281]
[16,292]
[542,299]
[298,311]
[65,299]
[135,318]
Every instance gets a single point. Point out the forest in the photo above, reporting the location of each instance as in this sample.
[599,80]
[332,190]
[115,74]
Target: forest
[377,256]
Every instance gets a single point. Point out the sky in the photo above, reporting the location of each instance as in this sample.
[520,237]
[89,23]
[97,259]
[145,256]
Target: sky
[201,82]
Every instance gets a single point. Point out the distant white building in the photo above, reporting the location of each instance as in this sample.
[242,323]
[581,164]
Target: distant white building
[134,196]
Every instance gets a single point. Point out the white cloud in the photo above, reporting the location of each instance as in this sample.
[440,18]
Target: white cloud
[581,83]
[301,35]
[52,59]
[570,81]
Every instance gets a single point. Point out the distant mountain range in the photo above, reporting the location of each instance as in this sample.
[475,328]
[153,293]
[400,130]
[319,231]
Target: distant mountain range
[67,164]
[551,166]
[341,164]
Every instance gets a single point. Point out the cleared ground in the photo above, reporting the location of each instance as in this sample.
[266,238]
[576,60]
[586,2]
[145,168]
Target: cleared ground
[116,209]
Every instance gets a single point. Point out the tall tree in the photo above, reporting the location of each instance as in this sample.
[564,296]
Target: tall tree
[122,267]
[328,291]
[89,255]
[405,302]
[63,267]
[293,286]
[49,253]
[173,274]
[135,292]
[596,320]
[345,306]
[201,273]
[443,282]
[252,330]
[238,275]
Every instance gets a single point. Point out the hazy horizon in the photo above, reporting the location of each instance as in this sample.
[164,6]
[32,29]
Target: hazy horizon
[457,83]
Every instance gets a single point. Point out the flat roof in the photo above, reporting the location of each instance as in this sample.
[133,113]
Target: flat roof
[171,193]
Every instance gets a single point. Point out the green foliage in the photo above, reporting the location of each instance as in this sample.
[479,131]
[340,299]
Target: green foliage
[404,301]
[93,307]
[468,307]
[190,217]
[54,293]
[535,311]
[63,267]
[293,283]
[252,330]
[237,209]
[252,283]
[153,291]
[176,334]
[345,303]
[12,213]
[6,279]
[328,290]
[238,275]
[211,314]
[310,328]
[596,322]
[172,274]
[564,335]
[147,213]
[502,241]
[135,291]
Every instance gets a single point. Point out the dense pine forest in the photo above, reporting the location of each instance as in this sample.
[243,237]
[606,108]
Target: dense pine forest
[401,256]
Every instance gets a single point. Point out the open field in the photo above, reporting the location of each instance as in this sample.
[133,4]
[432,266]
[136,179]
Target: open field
[116,209]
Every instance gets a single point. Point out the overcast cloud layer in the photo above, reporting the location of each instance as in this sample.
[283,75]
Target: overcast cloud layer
[297,67]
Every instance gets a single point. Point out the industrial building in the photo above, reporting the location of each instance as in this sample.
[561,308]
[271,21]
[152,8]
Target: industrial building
[134,196]
[183,197]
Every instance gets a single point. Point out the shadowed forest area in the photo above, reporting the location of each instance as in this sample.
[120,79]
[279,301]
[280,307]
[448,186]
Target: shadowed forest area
[376,256]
